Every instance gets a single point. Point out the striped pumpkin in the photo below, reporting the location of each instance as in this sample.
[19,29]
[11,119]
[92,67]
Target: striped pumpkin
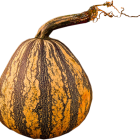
[44,91]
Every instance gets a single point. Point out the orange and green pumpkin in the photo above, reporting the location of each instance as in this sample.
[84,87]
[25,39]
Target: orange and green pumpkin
[44,91]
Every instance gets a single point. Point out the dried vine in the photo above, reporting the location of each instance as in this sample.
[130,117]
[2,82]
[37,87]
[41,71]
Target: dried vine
[92,14]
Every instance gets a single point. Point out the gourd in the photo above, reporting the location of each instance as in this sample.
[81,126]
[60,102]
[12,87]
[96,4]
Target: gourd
[44,91]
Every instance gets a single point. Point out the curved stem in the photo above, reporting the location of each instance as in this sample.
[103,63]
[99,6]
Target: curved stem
[62,21]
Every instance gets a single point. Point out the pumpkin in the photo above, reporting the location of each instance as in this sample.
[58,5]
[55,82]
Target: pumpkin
[44,91]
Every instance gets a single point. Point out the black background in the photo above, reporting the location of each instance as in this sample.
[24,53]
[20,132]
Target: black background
[107,50]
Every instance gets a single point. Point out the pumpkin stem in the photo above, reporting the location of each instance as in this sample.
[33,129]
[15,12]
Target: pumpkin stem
[74,19]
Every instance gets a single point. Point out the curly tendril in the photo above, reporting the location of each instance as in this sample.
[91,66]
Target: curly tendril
[109,4]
